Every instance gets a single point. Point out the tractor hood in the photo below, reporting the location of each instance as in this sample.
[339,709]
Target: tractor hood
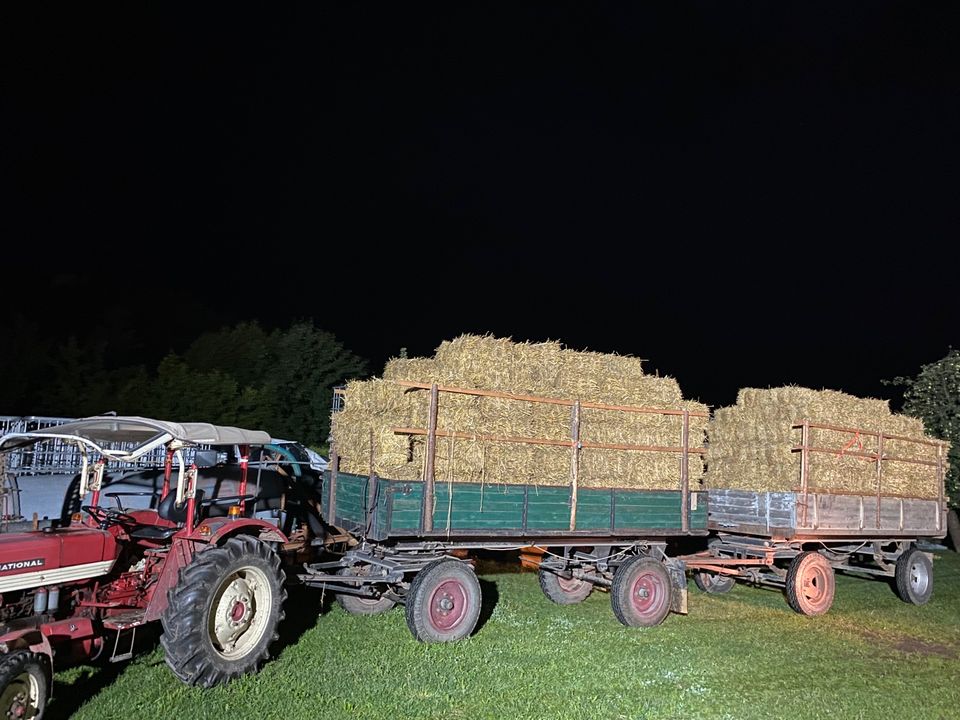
[32,559]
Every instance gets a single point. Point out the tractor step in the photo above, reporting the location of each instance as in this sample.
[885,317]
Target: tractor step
[124,624]
[125,621]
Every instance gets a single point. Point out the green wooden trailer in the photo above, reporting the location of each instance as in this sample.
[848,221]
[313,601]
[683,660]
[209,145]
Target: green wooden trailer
[406,542]
[384,510]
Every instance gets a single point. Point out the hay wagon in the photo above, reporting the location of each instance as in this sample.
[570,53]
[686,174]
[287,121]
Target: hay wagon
[404,541]
[796,540]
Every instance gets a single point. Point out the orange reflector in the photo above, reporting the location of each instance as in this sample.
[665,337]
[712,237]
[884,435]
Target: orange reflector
[204,529]
[234,511]
[77,517]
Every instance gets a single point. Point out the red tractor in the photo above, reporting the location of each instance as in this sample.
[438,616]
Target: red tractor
[80,592]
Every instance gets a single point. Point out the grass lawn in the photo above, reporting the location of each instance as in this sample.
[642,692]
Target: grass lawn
[741,655]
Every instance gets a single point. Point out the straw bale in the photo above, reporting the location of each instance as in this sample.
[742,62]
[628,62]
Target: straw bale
[751,444]
[544,369]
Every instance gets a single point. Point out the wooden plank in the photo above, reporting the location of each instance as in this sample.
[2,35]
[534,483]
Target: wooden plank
[427,510]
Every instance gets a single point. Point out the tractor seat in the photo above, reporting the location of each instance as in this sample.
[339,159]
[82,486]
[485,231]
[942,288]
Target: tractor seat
[168,510]
[153,532]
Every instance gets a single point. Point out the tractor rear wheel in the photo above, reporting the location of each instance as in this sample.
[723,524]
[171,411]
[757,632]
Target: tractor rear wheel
[222,614]
[24,685]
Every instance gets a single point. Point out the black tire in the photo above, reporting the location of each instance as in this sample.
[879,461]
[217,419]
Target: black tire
[914,577]
[358,605]
[641,592]
[231,583]
[564,591]
[712,583]
[810,584]
[24,685]
[443,603]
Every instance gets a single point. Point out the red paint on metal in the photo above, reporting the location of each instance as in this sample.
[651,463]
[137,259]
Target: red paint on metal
[75,628]
[244,462]
[648,594]
[167,471]
[191,499]
[222,528]
[37,551]
[180,554]
[448,605]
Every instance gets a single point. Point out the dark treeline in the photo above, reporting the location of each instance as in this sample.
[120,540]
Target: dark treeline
[279,380]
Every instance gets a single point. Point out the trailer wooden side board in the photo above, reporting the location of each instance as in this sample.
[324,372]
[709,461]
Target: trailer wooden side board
[385,509]
[778,514]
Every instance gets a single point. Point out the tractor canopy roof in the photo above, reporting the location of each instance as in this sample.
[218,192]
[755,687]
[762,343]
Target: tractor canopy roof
[144,434]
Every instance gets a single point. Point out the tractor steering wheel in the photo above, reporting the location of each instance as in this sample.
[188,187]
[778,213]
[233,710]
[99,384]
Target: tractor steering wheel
[107,517]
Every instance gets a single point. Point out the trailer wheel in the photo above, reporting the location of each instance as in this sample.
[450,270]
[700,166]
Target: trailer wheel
[564,591]
[713,583]
[641,592]
[24,685]
[359,605]
[443,602]
[810,584]
[914,577]
[222,614]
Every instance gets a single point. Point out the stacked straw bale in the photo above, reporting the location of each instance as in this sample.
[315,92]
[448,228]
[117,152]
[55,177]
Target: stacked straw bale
[750,444]
[374,407]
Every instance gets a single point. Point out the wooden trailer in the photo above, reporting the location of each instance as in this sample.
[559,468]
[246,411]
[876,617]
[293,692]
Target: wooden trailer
[406,541]
[797,540]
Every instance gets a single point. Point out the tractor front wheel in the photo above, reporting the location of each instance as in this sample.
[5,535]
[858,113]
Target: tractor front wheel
[222,615]
[24,685]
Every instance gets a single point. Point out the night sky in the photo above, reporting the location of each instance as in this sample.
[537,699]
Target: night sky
[743,194]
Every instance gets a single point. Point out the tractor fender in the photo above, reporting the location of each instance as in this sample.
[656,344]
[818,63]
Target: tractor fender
[31,639]
[217,530]
[208,534]
[26,639]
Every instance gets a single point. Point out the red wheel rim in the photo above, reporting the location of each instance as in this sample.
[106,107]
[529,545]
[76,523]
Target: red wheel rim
[448,605]
[569,585]
[647,594]
[814,587]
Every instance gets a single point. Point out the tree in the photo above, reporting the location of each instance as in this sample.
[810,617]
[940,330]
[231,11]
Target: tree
[79,383]
[284,378]
[305,365]
[23,365]
[934,397]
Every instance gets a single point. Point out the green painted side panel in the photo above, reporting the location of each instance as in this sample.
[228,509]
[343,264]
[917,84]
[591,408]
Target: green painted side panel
[464,507]
[593,509]
[498,507]
[406,498]
[351,497]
